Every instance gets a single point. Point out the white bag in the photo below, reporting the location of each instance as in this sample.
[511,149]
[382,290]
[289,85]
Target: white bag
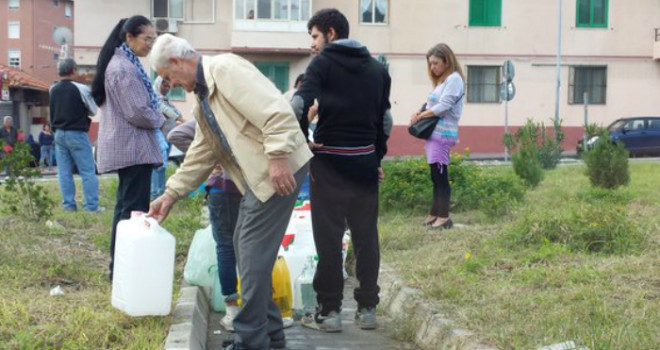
[201,258]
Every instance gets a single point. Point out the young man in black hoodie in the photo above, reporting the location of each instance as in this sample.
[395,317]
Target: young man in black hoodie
[350,141]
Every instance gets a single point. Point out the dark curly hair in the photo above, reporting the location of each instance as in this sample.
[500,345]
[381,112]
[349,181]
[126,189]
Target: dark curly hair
[325,19]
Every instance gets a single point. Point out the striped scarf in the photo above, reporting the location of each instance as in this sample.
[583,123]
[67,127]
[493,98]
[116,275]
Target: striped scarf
[153,98]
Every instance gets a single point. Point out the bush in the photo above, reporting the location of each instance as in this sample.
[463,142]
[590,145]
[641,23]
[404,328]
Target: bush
[21,196]
[525,154]
[550,150]
[607,163]
[582,225]
[408,186]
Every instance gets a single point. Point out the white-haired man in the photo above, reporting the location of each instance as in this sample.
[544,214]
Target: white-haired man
[244,124]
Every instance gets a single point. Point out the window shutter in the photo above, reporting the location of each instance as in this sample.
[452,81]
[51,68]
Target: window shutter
[477,12]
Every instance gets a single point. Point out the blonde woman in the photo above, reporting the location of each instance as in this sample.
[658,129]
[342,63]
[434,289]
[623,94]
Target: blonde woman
[446,102]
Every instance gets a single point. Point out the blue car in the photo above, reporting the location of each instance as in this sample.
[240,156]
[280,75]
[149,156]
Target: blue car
[639,135]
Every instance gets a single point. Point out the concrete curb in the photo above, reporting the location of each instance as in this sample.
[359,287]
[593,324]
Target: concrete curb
[430,329]
[189,320]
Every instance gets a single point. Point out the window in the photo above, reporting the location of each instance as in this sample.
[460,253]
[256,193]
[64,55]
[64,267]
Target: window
[592,80]
[374,11]
[167,8]
[14,4]
[14,31]
[277,72]
[592,13]
[68,10]
[485,13]
[15,58]
[654,124]
[484,84]
[283,10]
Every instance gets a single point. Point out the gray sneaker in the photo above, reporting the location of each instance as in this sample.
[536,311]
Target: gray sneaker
[365,318]
[329,324]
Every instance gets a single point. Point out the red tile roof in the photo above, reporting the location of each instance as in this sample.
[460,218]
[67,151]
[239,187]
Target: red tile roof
[19,79]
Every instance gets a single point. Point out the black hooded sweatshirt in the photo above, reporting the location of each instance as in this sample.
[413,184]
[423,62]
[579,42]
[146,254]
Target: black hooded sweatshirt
[353,91]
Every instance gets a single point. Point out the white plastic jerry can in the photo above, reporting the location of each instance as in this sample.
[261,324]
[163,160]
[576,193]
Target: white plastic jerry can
[143,268]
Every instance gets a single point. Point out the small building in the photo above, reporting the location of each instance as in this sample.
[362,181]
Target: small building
[25,98]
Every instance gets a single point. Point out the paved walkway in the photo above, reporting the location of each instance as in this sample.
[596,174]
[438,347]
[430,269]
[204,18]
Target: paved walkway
[301,338]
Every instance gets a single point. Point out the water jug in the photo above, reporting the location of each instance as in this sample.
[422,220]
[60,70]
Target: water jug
[305,303]
[282,290]
[143,267]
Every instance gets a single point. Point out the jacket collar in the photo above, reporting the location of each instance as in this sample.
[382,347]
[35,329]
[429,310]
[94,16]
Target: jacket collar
[210,82]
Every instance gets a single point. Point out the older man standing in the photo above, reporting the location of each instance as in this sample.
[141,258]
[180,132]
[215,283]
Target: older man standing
[8,133]
[71,106]
[245,125]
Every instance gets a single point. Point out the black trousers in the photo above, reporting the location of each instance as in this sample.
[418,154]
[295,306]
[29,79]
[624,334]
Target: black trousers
[337,200]
[441,190]
[133,194]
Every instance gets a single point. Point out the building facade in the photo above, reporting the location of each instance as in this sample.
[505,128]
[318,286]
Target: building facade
[610,51]
[27,45]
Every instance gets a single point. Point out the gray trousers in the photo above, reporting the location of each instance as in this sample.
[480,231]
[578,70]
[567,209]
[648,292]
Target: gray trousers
[259,232]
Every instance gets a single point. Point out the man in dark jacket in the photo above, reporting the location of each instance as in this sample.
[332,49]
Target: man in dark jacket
[350,141]
[71,106]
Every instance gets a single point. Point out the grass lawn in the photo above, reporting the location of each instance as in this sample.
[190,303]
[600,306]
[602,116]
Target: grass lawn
[523,296]
[74,253]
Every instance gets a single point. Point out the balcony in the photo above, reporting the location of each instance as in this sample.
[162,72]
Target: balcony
[656,45]
[271,27]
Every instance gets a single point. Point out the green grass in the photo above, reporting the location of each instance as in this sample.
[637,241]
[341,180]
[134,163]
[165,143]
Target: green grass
[74,253]
[525,295]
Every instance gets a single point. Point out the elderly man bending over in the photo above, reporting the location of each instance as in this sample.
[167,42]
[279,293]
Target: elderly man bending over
[244,124]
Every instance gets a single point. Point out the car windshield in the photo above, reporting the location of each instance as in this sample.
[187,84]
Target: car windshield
[616,125]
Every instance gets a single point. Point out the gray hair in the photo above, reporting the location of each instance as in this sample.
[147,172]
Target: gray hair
[7,118]
[168,46]
[66,67]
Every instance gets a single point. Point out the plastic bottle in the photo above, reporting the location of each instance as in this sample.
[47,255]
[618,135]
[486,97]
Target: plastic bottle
[306,304]
[143,267]
[282,289]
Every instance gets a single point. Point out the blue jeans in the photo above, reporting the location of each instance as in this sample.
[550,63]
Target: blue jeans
[74,148]
[223,209]
[159,175]
[46,151]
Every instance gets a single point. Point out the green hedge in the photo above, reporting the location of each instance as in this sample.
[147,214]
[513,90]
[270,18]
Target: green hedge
[408,187]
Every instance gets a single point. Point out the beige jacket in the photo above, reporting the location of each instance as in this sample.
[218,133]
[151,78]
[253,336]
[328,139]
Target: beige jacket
[259,125]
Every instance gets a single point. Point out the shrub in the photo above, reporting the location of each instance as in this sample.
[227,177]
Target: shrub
[525,154]
[607,163]
[20,195]
[550,150]
[408,186]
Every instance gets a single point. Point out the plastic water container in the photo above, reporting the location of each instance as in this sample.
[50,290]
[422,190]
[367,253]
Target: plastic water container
[282,288]
[305,303]
[143,267]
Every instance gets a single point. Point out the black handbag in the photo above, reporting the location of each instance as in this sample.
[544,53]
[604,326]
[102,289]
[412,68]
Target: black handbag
[423,129]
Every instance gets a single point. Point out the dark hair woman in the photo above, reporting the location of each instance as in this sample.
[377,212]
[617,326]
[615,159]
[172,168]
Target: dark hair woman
[128,131]
[446,102]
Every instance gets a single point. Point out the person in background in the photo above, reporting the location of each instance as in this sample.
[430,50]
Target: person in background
[71,107]
[172,115]
[128,132]
[46,140]
[445,101]
[296,85]
[8,133]
[245,125]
